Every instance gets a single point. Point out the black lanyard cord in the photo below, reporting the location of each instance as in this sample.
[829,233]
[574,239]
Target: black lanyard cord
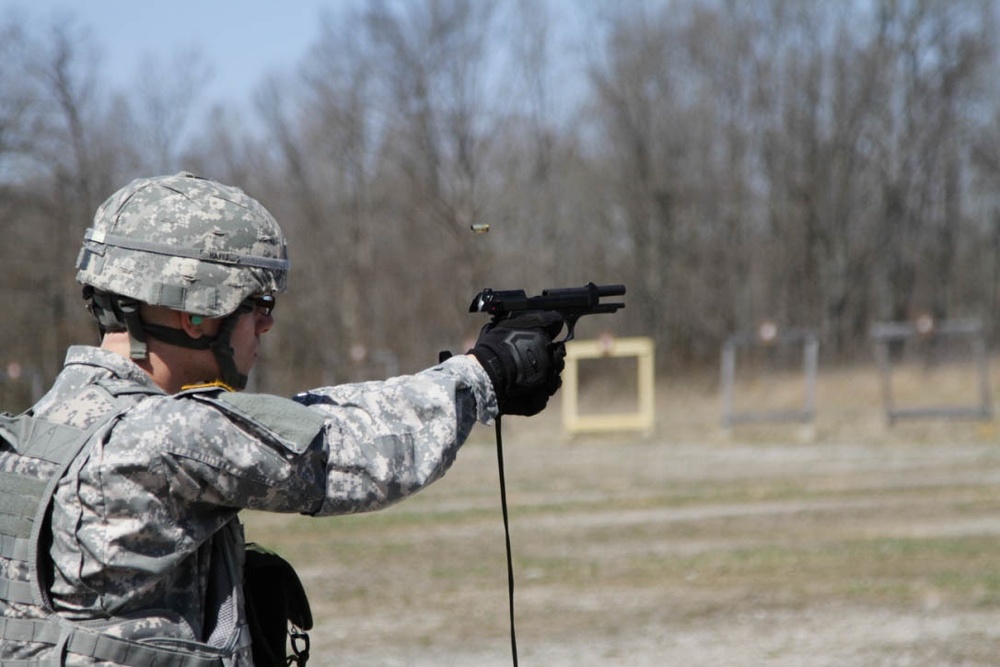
[506,532]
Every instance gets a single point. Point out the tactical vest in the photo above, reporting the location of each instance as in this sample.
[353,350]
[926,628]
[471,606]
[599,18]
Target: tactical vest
[34,455]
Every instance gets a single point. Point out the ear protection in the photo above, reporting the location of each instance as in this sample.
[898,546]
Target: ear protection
[197,319]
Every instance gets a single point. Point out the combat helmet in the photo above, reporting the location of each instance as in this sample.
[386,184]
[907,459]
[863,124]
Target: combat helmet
[186,243]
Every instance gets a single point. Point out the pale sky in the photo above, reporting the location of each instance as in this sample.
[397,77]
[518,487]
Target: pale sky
[240,40]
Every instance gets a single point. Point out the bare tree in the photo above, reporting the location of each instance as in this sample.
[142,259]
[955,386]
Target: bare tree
[61,71]
[933,51]
[436,135]
[638,112]
[821,164]
[166,95]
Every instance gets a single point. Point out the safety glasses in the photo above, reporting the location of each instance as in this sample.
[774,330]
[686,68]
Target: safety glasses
[263,302]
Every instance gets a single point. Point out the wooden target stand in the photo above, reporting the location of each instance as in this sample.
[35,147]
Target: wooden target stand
[769,335]
[609,347]
[925,329]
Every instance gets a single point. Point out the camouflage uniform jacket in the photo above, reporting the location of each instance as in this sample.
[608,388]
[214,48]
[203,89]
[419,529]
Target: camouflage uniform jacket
[139,513]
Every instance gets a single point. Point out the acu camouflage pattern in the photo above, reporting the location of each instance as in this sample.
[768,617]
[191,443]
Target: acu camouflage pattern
[30,632]
[186,243]
[134,519]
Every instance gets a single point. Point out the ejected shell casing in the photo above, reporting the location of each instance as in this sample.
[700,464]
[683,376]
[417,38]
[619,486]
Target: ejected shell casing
[480,227]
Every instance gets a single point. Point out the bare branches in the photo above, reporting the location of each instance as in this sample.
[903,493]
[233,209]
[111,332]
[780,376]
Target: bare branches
[814,164]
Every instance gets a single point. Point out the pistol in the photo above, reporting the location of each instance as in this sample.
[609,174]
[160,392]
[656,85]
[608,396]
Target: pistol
[571,302]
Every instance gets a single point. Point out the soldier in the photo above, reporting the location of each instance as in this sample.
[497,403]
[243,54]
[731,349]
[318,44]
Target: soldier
[120,542]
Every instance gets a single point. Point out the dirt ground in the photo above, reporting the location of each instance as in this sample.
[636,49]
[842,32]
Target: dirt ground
[841,542]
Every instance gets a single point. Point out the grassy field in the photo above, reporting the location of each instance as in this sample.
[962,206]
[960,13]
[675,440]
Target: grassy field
[841,542]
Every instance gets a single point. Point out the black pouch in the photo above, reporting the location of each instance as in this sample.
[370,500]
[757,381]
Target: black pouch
[276,607]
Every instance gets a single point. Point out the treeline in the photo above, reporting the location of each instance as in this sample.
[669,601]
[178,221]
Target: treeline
[823,164]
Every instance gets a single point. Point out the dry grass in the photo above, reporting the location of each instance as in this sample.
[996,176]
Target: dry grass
[841,542]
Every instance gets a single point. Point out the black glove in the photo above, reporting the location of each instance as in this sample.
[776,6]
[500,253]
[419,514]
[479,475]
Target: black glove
[522,361]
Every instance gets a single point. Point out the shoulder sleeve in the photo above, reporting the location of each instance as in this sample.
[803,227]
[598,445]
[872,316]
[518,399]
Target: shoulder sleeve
[389,439]
[290,424]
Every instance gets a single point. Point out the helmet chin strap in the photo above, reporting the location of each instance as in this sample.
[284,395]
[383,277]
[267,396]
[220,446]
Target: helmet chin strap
[220,344]
[225,356]
[118,313]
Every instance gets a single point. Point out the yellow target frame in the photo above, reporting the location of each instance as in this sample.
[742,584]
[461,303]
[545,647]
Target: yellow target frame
[642,348]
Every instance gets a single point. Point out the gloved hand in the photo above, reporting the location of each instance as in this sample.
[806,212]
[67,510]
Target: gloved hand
[522,361]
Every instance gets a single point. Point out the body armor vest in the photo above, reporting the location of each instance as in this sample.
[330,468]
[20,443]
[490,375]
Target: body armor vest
[34,455]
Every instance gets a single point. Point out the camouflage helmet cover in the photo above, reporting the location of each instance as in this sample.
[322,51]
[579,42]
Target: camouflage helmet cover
[186,243]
